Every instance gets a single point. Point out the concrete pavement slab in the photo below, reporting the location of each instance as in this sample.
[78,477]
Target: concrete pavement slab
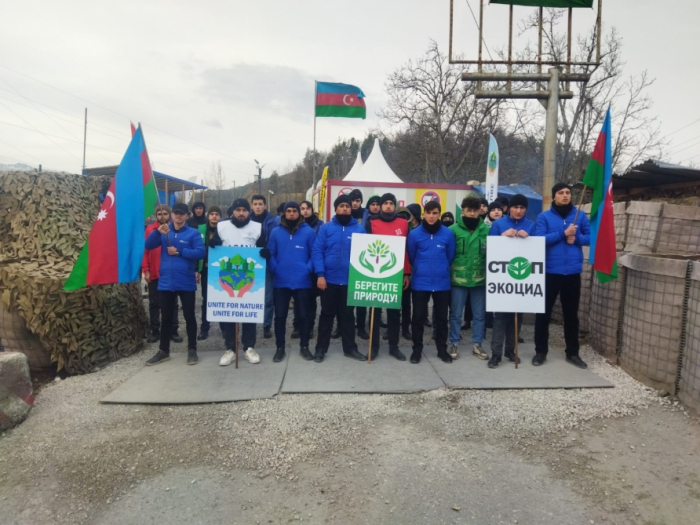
[174,382]
[339,374]
[471,372]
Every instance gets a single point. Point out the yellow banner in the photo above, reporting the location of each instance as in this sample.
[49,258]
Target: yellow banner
[322,198]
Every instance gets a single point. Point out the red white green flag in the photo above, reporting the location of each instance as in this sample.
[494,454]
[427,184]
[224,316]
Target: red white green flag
[339,100]
[603,254]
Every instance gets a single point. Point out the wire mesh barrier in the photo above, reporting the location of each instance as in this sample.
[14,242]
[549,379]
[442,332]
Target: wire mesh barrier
[643,221]
[584,303]
[653,319]
[689,383]
[605,313]
[679,231]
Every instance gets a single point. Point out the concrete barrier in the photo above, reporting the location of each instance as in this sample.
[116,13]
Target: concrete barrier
[15,389]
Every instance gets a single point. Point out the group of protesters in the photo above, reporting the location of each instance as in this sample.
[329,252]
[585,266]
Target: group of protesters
[307,259]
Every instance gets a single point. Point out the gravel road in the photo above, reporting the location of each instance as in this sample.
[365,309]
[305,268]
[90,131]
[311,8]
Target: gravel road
[622,455]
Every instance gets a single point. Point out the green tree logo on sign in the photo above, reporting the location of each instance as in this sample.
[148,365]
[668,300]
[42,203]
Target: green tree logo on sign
[519,268]
[376,254]
[493,162]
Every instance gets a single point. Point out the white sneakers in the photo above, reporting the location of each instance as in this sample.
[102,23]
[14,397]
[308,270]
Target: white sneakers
[454,351]
[252,356]
[227,358]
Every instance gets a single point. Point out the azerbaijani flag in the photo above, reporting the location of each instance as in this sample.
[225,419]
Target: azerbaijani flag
[339,100]
[547,3]
[114,249]
[603,255]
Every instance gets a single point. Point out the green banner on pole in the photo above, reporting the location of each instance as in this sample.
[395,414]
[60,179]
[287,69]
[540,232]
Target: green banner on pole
[376,271]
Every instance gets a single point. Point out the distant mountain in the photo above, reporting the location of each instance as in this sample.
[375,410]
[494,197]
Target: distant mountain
[16,167]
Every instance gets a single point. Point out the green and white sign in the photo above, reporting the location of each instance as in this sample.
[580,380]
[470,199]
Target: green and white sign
[376,270]
[515,274]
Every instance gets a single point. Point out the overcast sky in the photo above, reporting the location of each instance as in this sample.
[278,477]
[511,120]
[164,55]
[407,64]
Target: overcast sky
[233,80]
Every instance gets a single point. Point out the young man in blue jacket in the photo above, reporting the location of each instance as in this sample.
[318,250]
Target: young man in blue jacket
[267,222]
[331,258]
[291,245]
[431,250]
[563,266]
[516,226]
[181,248]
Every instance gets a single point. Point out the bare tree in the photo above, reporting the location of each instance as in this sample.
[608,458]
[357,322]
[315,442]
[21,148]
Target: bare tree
[446,124]
[217,178]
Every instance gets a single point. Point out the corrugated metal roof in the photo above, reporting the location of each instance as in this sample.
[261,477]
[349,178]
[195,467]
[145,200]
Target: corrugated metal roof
[655,173]
[174,184]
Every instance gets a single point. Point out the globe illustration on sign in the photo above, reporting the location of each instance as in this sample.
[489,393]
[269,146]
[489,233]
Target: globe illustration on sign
[236,275]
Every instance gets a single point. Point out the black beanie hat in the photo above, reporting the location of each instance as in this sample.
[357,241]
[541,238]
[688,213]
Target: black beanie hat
[559,186]
[356,194]
[214,209]
[496,205]
[340,200]
[518,200]
[373,199]
[387,197]
[447,215]
[240,203]
[415,210]
[292,204]
[484,202]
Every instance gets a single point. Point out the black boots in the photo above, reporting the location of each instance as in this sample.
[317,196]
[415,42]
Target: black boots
[539,359]
[304,352]
[494,361]
[279,355]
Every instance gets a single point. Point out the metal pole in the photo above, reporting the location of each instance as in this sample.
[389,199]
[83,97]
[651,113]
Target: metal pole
[539,48]
[84,138]
[452,7]
[568,48]
[481,37]
[550,139]
[260,180]
[599,28]
[509,85]
[313,168]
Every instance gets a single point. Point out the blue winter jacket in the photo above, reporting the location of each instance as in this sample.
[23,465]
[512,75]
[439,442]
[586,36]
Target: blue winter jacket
[563,258]
[290,256]
[177,272]
[332,250]
[506,223]
[431,256]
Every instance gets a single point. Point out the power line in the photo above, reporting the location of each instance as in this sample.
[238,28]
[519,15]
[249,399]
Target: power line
[681,129]
[124,116]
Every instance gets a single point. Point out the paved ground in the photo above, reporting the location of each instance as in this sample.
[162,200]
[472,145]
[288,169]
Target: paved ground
[620,455]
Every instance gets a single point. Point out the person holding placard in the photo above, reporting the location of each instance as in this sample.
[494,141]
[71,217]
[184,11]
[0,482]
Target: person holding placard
[331,259]
[240,231]
[431,250]
[516,226]
[291,245]
[387,223]
[468,275]
[565,231]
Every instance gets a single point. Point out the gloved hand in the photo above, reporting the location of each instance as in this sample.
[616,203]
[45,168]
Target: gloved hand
[265,253]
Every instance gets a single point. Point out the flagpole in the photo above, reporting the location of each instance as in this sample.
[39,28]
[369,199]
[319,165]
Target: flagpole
[313,171]
[153,177]
[580,202]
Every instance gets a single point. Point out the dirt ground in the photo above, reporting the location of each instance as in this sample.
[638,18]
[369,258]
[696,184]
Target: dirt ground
[482,457]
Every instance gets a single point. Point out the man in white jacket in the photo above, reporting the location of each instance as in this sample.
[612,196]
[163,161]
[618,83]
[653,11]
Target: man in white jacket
[240,231]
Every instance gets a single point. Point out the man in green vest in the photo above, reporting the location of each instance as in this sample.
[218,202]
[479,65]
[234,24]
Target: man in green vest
[468,276]
[207,230]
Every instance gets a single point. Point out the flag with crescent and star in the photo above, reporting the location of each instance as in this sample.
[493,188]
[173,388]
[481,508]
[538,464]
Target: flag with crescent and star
[339,100]
[114,248]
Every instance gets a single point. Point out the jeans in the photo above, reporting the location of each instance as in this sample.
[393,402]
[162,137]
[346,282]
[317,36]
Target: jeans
[281,298]
[568,288]
[168,302]
[393,321]
[269,300]
[420,315]
[154,309]
[248,335]
[504,328]
[334,303]
[477,299]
